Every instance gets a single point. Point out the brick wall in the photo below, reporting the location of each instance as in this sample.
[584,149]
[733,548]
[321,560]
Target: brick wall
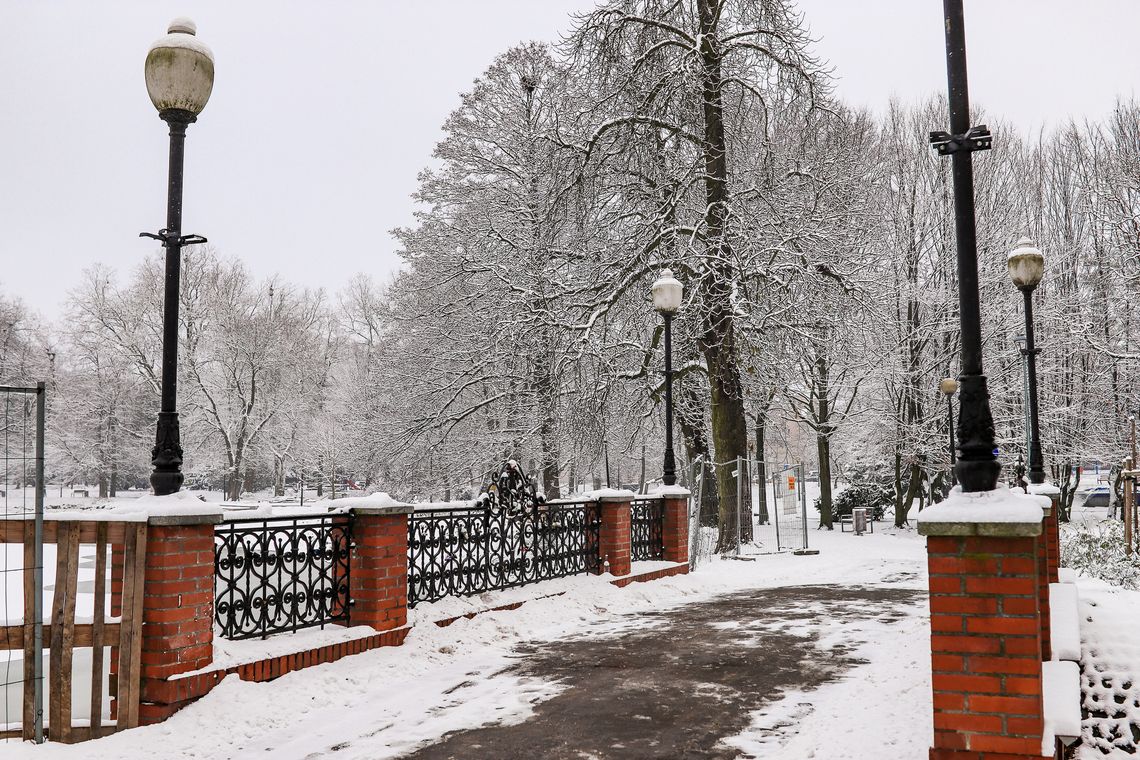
[675,529]
[614,534]
[985,647]
[178,605]
[379,574]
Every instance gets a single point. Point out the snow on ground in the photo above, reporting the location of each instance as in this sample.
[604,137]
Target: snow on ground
[385,703]
[1110,670]
[880,709]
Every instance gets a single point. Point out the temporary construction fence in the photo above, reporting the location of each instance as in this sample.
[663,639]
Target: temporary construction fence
[769,503]
[22,498]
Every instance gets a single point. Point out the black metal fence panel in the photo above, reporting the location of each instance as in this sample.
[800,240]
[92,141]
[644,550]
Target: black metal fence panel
[645,527]
[466,551]
[281,574]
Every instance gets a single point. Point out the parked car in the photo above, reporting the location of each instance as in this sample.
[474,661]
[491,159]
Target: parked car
[1099,496]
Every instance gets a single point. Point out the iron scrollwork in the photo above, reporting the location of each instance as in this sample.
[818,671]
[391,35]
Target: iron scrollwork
[645,524]
[509,537]
[281,574]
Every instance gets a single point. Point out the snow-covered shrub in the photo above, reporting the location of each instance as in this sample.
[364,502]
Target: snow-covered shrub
[873,497]
[1097,549]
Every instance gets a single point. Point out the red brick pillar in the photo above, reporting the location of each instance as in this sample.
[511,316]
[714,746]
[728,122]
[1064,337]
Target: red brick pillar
[675,529]
[378,576]
[1053,536]
[985,622]
[614,534]
[1050,530]
[178,607]
[1043,560]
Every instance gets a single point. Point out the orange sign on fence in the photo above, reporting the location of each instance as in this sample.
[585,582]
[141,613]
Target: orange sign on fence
[791,482]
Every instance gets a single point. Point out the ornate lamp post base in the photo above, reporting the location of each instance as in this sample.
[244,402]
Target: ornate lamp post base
[166,456]
[977,468]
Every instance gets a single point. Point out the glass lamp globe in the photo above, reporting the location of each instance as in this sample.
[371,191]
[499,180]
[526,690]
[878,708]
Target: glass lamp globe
[948,386]
[1026,264]
[179,70]
[667,293]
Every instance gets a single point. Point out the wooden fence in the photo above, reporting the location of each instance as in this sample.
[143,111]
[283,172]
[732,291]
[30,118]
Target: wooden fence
[62,634]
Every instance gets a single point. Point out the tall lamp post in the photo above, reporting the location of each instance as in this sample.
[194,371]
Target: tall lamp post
[179,77]
[977,467]
[667,294]
[1026,266]
[949,386]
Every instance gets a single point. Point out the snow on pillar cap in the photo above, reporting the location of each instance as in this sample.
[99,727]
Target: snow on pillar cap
[183,25]
[1000,512]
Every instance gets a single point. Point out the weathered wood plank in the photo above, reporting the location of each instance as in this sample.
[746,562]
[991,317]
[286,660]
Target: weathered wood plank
[67,585]
[130,632]
[13,635]
[27,638]
[97,627]
[55,702]
[78,733]
[12,530]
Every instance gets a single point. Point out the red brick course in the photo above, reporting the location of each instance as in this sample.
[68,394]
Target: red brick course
[163,698]
[675,529]
[379,576]
[614,535]
[986,646]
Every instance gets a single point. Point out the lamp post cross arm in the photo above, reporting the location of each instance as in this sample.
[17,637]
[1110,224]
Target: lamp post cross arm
[167,238]
[975,138]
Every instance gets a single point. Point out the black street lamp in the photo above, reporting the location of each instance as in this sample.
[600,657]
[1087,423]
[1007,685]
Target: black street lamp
[667,294]
[179,77]
[1026,267]
[949,386]
[977,467]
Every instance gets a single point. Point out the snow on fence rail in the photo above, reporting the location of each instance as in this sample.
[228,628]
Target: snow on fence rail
[280,574]
[470,550]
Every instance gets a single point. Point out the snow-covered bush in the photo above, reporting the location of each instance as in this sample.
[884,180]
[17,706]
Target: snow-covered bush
[865,495]
[1097,549]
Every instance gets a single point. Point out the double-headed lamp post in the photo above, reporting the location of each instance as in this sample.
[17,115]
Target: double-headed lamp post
[1026,267]
[949,386]
[179,77]
[667,294]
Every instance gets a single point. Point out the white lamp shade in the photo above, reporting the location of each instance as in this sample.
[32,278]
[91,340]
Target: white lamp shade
[1026,264]
[667,293]
[180,69]
[948,386]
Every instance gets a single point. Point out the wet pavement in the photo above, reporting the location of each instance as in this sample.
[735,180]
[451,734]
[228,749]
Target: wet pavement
[675,683]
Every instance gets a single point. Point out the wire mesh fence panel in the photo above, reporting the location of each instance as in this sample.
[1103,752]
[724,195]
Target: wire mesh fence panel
[21,567]
[780,495]
[702,539]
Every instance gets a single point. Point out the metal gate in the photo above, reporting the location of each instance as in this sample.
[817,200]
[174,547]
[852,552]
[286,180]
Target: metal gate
[787,526]
[22,498]
[771,504]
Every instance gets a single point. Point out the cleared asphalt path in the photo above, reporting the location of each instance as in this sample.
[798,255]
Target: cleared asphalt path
[674,683]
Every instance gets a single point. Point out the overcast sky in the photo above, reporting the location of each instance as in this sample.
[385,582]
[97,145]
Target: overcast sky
[324,112]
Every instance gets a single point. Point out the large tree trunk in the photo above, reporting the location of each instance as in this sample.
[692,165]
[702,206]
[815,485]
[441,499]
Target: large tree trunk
[718,336]
[823,449]
[278,475]
[823,439]
[762,468]
[903,511]
[690,412]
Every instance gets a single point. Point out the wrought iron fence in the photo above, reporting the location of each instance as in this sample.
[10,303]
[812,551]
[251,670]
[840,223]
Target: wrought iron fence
[461,552]
[280,574]
[645,528]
